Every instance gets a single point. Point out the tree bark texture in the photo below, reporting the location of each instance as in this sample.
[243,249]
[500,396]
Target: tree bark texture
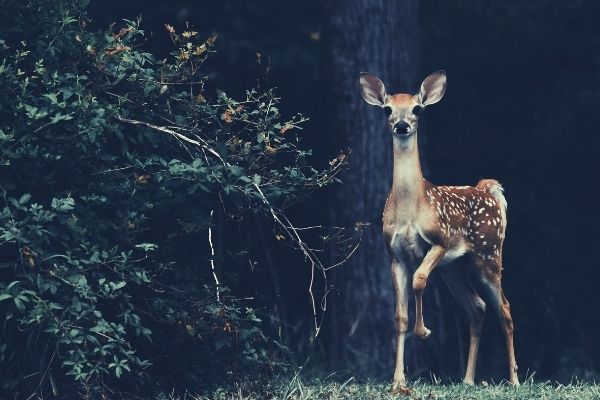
[380,37]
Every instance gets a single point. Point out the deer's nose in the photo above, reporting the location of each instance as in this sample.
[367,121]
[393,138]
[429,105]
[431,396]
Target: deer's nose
[401,128]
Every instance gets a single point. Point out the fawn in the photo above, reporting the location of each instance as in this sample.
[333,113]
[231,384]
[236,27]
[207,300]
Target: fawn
[425,225]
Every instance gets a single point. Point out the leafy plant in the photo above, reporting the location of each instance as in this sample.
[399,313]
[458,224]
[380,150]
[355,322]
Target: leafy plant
[115,163]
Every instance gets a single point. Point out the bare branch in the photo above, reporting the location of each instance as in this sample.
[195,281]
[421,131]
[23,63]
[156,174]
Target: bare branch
[314,261]
[200,143]
[212,258]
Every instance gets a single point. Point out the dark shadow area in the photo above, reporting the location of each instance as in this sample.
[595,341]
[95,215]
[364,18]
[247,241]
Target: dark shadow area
[520,107]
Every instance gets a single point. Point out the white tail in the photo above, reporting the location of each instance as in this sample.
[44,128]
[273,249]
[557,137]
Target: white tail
[426,225]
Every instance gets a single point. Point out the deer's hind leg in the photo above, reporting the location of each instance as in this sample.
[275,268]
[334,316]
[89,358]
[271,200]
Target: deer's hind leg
[491,279]
[474,307]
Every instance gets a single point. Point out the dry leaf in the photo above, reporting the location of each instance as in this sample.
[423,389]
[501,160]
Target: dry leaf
[183,55]
[227,116]
[190,329]
[122,32]
[29,256]
[111,51]
[143,179]
[200,50]
[285,128]
[270,149]
[211,40]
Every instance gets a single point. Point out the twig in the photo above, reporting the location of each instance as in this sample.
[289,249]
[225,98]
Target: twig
[309,227]
[314,261]
[212,257]
[43,375]
[347,257]
[292,232]
[177,135]
[113,170]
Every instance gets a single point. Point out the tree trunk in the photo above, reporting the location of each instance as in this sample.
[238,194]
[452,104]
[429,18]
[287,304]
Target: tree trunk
[380,37]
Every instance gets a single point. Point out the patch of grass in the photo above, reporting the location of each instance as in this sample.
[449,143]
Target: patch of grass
[297,389]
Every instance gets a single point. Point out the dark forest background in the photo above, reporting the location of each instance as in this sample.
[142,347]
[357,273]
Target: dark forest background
[523,90]
[521,107]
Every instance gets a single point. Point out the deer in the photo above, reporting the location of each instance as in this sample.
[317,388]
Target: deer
[426,226]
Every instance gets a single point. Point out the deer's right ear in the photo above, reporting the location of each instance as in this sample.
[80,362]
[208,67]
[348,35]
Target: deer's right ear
[372,90]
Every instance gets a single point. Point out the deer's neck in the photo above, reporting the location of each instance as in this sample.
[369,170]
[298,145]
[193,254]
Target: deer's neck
[408,186]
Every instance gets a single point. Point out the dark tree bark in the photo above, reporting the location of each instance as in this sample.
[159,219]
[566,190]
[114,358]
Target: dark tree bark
[380,37]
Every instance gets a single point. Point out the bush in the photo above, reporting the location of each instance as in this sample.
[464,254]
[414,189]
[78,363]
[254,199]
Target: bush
[116,165]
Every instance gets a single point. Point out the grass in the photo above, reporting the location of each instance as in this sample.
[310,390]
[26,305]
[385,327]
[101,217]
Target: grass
[296,389]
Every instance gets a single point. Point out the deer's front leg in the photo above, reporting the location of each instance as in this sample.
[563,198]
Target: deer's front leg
[400,281]
[432,258]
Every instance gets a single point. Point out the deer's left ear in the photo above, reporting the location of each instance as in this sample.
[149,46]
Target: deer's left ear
[433,88]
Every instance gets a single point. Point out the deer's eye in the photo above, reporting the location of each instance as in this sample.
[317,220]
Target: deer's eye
[417,110]
[387,110]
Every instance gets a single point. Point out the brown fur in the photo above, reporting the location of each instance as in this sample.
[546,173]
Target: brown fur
[402,100]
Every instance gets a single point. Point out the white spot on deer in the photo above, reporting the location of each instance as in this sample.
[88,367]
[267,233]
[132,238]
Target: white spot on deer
[481,210]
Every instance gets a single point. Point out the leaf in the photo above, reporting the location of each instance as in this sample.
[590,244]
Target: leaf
[52,97]
[19,304]
[147,246]
[64,204]
[25,198]
[60,117]
[5,296]
[118,285]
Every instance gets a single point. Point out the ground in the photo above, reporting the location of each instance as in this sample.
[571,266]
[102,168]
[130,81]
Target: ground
[298,389]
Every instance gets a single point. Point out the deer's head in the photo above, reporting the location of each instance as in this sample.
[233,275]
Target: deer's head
[403,109]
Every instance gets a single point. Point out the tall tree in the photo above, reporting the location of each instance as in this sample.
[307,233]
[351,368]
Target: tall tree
[381,37]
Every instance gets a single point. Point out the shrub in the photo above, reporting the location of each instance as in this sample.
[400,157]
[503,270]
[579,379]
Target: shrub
[116,165]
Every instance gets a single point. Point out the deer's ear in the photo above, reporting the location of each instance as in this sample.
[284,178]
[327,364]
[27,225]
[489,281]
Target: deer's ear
[433,88]
[372,90]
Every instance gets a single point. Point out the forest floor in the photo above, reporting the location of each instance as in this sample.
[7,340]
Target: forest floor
[296,389]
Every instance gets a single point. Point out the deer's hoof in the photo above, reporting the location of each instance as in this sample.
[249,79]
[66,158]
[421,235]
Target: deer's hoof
[398,388]
[422,333]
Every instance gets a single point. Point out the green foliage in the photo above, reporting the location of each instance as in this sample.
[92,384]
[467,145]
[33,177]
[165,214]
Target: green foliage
[113,164]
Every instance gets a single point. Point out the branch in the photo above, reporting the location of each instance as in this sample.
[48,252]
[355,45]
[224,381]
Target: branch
[212,258]
[292,232]
[200,143]
[314,261]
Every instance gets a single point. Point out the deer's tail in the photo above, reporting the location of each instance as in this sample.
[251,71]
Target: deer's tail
[494,188]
